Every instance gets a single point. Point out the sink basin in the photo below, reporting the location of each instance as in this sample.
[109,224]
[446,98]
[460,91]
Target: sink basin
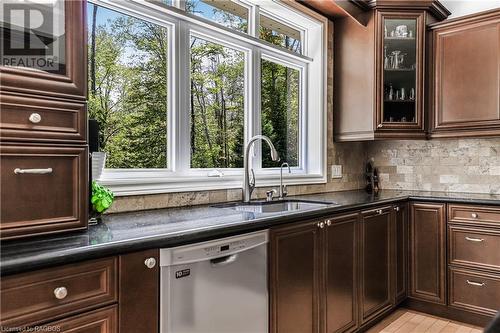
[270,207]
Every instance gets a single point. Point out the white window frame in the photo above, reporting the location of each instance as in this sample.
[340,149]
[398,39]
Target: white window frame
[313,96]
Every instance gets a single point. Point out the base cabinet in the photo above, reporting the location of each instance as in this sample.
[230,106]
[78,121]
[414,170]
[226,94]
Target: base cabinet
[375,263]
[341,274]
[400,253]
[295,273]
[338,274]
[428,252]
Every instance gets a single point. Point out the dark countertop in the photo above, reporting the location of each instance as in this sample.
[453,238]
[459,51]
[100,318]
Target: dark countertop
[127,232]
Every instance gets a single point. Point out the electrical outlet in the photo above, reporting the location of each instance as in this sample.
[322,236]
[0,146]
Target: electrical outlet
[336,171]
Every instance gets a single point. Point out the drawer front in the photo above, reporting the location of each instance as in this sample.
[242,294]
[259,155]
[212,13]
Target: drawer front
[100,321]
[473,291]
[37,119]
[47,189]
[480,215]
[48,294]
[474,248]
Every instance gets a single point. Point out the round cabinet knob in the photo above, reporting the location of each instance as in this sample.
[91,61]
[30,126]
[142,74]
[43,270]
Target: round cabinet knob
[328,222]
[150,262]
[379,126]
[380,211]
[321,225]
[396,209]
[35,118]
[61,292]
[474,215]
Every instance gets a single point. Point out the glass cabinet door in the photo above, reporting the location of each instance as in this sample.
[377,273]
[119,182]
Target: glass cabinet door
[401,67]
[41,48]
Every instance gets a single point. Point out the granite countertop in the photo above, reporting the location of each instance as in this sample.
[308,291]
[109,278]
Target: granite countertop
[127,232]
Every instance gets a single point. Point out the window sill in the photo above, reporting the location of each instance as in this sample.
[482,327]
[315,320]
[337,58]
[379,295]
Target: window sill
[156,185]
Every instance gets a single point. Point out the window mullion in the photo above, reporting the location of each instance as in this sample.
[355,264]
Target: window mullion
[256,110]
[183,152]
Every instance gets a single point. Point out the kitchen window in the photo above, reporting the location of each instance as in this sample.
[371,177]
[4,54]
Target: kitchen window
[178,87]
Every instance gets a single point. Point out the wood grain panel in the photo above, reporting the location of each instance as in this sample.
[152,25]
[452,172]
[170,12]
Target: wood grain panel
[295,279]
[474,291]
[375,263]
[99,321]
[474,248]
[43,203]
[139,302]
[428,252]
[341,274]
[29,298]
[61,121]
[73,83]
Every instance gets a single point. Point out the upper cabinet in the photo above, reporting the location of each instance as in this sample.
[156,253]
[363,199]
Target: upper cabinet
[44,49]
[465,76]
[379,71]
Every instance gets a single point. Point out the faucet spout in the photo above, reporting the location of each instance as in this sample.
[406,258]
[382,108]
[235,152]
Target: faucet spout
[247,185]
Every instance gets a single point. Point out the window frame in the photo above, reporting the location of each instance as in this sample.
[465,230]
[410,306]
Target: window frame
[178,176]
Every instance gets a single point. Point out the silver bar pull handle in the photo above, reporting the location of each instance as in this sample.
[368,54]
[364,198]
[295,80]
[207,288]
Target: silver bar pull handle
[471,239]
[19,171]
[477,284]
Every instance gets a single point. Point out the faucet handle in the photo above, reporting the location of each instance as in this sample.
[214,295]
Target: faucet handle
[284,191]
[270,194]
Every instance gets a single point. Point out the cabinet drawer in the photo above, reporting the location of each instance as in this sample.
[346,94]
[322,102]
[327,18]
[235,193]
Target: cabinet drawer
[44,189]
[48,294]
[473,291]
[37,119]
[474,248]
[474,214]
[100,321]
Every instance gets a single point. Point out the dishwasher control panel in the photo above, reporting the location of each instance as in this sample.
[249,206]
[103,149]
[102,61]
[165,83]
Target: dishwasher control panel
[212,249]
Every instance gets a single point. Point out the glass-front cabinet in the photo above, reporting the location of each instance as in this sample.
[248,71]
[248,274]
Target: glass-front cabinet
[400,66]
[41,49]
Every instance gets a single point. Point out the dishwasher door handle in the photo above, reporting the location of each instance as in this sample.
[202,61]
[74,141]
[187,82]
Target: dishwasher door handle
[223,261]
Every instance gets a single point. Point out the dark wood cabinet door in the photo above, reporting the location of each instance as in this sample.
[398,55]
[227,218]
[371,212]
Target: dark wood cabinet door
[295,278]
[375,263]
[466,88]
[66,59]
[139,291]
[427,252]
[341,273]
[400,252]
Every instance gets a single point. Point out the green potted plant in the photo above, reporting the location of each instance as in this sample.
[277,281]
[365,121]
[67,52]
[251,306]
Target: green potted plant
[101,199]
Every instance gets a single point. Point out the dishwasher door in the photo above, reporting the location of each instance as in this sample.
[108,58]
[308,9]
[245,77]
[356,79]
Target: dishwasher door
[216,287]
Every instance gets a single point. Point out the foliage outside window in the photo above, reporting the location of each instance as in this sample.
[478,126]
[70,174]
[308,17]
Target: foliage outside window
[175,96]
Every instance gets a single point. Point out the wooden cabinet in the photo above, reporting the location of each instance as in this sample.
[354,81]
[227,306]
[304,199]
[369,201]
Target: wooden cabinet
[47,189]
[375,263]
[43,131]
[99,321]
[61,67]
[341,273]
[139,292]
[400,256]
[465,90]
[379,71]
[295,278]
[428,252]
[40,296]
[108,295]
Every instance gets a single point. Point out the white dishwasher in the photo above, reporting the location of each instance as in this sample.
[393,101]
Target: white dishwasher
[218,286]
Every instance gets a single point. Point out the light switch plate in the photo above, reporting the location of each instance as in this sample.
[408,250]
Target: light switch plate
[336,171]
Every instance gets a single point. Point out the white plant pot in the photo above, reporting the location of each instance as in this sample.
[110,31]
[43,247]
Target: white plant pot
[98,163]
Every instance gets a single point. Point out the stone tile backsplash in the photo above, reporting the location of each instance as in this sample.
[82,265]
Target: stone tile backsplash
[454,165]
